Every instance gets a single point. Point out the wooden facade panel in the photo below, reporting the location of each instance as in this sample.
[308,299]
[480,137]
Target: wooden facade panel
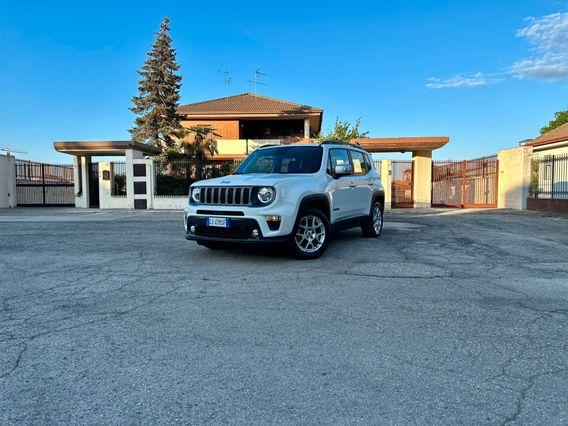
[226,129]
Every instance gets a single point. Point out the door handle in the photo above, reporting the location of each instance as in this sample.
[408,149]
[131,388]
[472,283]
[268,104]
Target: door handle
[352,185]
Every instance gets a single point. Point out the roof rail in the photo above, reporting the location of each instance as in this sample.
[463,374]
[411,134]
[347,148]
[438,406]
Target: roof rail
[338,142]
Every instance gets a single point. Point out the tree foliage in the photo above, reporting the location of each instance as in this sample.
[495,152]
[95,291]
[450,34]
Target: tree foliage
[197,142]
[158,122]
[560,118]
[345,132]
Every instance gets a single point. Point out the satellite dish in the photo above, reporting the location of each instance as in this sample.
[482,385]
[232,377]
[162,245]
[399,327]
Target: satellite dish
[10,150]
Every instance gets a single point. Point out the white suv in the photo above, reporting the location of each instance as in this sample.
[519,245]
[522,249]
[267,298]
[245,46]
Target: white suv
[292,194]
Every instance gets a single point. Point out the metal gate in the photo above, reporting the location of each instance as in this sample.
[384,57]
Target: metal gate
[470,183]
[42,185]
[402,182]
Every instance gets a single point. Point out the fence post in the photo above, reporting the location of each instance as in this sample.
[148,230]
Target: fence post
[464,181]
[43,181]
[552,179]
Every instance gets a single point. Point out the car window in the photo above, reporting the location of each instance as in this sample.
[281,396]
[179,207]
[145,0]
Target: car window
[338,157]
[360,165]
[293,159]
[369,162]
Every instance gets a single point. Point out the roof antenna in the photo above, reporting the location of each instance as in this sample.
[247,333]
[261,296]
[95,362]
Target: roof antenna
[255,82]
[9,150]
[227,79]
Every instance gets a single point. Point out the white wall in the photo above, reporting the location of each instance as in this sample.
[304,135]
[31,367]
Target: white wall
[7,181]
[560,148]
[166,203]
[106,199]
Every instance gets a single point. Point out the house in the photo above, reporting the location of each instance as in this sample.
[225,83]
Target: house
[549,171]
[554,142]
[246,121]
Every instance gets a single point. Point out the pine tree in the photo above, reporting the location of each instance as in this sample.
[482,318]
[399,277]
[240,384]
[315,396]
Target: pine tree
[158,122]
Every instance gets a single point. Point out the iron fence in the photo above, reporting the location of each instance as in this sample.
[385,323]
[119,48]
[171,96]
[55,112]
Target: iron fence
[40,184]
[118,180]
[467,183]
[377,165]
[549,177]
[173,178]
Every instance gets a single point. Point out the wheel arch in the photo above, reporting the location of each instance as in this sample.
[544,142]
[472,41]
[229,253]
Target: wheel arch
[318,201]
[379,195]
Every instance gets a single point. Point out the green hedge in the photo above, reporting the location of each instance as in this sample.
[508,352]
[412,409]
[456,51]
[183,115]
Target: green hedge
[172,185]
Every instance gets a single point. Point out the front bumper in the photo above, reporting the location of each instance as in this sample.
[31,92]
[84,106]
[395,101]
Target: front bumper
[240,231]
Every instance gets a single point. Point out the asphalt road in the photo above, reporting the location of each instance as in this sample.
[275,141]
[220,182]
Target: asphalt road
[450,317]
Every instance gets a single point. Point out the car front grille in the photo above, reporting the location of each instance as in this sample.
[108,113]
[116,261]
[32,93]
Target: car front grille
[226,196]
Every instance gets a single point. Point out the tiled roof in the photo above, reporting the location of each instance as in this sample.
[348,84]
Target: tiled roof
[557,135]
[247,103]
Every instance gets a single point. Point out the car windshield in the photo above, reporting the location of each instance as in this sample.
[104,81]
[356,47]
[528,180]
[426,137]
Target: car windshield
[291,159]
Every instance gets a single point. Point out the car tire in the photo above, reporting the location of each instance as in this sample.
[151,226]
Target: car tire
[214,245]
[372,227]
[311,234]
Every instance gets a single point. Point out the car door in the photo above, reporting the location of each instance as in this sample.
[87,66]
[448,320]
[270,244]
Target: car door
[342,187]
[361,180]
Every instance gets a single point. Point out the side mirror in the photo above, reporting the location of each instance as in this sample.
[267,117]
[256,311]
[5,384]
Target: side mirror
[341,170]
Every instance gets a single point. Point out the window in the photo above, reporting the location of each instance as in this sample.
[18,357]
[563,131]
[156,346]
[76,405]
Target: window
[338,157]
[360,163]
[292,159]
[369,162]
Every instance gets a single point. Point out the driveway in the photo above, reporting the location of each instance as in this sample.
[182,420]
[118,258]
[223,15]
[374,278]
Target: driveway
[451,317]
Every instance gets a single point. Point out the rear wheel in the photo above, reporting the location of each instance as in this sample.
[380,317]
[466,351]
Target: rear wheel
[311,234]
[373,226]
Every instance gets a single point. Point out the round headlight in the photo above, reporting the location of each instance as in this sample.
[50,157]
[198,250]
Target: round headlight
[195,194]
[265,195]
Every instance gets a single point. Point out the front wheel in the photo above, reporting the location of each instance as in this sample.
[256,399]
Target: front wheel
[311,234]
[373,226]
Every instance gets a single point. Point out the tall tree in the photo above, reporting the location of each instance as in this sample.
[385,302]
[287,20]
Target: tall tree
[344,131]
[158,122]
[560,118]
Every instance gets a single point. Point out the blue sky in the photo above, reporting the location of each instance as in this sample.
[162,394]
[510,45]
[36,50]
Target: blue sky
[478,71]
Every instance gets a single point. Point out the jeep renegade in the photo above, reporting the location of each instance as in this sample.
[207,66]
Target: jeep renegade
[291,194]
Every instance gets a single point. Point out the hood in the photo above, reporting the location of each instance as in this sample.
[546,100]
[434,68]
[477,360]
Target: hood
[256,179]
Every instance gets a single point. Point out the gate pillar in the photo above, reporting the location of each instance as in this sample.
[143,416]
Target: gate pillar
[386,180]
[81,180]
[422,180]
[514,177]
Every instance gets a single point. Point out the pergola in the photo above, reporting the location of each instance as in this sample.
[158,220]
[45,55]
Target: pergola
[406,144]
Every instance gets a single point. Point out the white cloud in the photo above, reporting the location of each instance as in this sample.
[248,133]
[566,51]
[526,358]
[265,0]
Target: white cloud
[548,38]
[461,80]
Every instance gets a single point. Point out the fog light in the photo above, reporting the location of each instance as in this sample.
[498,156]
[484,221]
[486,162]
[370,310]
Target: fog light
[255,233]
[273,222]
[192,229]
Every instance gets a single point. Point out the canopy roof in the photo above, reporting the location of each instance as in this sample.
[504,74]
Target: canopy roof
[427,143]
[106,148]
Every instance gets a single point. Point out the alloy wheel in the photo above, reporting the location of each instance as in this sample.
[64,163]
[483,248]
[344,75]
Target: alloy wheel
[377,219]
[310,234]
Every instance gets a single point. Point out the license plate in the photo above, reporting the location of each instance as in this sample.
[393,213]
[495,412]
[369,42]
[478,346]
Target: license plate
[219,222]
